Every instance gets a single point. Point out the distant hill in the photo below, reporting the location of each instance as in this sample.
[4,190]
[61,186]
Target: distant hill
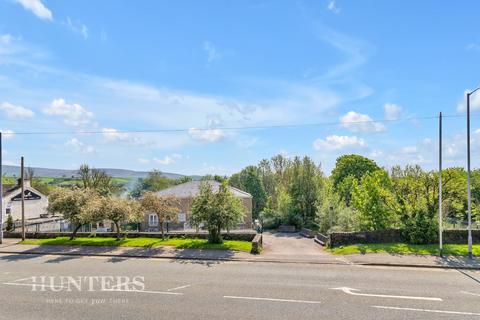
[58,173]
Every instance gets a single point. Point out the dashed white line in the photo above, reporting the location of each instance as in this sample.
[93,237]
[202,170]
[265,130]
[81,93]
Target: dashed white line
[429,310]
[470,293]
[272,299]
[178,288]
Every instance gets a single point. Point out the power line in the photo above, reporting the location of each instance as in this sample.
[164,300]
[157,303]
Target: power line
[280,126]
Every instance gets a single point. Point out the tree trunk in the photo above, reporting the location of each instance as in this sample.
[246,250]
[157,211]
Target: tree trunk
[74,233]
[161,229]
[118,229]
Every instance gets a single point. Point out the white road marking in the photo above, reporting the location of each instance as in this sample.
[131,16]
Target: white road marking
[142,291]
[33,285]
[178,288]
[429,310]
[351,292]
[471,293]
[272,299]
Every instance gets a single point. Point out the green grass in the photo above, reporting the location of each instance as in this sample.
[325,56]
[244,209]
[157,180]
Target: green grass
[181,243]
[402,248]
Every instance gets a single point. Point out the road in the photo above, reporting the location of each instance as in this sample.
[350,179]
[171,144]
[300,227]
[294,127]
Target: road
[175,289]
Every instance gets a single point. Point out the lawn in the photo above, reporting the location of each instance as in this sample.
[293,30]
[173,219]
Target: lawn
[402,248]
[181,243]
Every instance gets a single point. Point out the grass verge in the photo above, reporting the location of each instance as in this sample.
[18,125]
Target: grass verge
[402,248]
[181,243]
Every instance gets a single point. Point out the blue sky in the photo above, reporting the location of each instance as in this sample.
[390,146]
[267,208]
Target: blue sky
[71,66]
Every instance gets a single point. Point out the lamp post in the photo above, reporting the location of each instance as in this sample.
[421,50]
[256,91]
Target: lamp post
[470,255]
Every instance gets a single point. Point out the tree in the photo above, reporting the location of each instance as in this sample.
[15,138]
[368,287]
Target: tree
[155,181]
[75,206]
[216,211]
[119,211]
[306,180]
[248,180]
[9,226]
[97,180]
[166,208]
[374,201]
[353,167]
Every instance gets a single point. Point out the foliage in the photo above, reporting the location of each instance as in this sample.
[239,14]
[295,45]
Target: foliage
[166,208]
[248,180]
[74,205]
[216,211]
[9,226]
[347,169]
[374,200]
[97,180]
[155,181]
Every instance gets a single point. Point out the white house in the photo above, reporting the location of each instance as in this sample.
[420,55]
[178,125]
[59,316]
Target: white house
[35,202]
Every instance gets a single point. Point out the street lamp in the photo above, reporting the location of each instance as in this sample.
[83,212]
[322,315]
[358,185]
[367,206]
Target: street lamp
[470,255]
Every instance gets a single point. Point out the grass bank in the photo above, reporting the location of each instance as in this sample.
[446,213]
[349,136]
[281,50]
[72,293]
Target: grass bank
[402,248]
[181,243]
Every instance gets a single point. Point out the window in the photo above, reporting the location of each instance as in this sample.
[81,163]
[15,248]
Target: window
[8,211]
[152,220]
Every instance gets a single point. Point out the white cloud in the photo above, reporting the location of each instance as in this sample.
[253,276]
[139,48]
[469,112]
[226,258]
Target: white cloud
[7,134]
[77,27]
[37,8]
[392,111]
[474,102]
[15,111]
[409,150]
[357,122]
[79,146]
[169,159]
[72,114]
[212,53]
[6,39]
[335,142]
[332,6]
[473,46]
[208,135]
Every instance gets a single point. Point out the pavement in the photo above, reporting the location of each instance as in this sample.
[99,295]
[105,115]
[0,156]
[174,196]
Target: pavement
[79,287]
[278,248]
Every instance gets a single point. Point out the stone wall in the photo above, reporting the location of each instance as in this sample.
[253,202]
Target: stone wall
[245,236]
[337,239]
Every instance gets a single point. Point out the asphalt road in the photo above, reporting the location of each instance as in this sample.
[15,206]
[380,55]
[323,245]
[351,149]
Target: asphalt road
[229,290]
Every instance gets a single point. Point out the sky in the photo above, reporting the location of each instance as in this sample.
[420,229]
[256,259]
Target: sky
[219,85]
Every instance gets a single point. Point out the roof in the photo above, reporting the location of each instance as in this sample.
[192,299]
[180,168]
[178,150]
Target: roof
[191,189]
[8,189]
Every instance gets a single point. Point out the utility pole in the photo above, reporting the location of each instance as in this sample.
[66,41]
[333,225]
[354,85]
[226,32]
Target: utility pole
[440,218]
[1,190]
[470,255]
[23,197]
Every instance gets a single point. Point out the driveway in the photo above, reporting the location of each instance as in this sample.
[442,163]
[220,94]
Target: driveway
[292,246]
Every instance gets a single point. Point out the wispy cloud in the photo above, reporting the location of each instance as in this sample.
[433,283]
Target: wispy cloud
[211,51]
[332,6]
[79,146]
[37,8]
[77,27]
[392,111]
[16,111]
[168,160]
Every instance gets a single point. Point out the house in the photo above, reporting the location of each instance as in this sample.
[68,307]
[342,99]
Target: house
[185,193]
[35,202]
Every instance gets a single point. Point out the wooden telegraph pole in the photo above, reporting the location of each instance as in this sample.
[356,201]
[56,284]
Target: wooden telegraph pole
[23,196]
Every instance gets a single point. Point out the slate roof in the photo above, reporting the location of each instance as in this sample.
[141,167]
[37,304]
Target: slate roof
[191,189]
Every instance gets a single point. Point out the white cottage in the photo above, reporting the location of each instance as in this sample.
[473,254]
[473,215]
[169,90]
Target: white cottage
[35,202]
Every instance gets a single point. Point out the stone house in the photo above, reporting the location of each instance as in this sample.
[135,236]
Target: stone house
[185,193]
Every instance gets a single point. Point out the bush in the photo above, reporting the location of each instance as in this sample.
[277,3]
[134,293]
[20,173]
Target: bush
[9,226]
[420,228]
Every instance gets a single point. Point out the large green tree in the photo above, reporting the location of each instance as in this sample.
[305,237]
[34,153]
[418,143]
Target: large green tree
[249,180]
[350,169]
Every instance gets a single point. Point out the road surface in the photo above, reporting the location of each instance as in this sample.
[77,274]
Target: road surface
[30,288]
